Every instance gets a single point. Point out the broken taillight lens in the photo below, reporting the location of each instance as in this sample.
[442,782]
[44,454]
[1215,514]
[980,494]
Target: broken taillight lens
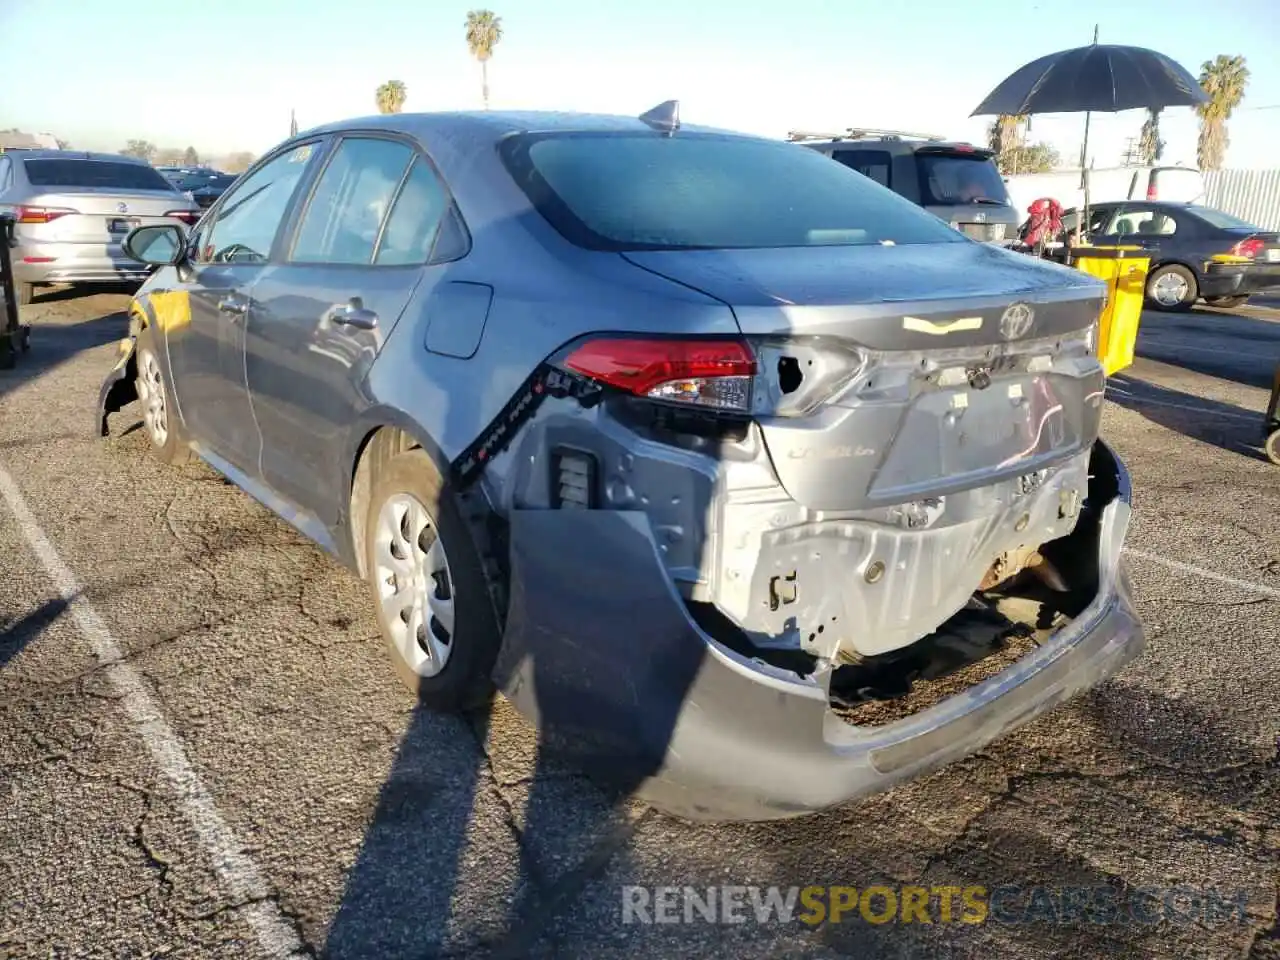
[715,374]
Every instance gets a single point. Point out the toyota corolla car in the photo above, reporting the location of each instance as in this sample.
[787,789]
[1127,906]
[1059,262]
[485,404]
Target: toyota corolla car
[73,209]
[690,442]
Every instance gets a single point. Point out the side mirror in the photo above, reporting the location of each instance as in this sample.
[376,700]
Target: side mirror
[161,245]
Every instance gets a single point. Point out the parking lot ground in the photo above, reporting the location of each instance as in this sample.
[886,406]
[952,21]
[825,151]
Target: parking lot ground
[203,752]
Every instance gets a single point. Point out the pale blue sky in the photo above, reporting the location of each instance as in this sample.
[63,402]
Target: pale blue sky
[223,76]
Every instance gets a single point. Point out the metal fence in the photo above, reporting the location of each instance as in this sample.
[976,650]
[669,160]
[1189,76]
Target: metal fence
[1252,195]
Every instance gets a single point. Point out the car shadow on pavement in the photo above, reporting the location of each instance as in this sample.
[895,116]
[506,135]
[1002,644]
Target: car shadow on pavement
[430,880]
[52,344]
[16,635]
[1224,425]
[1235,347]
[74,292]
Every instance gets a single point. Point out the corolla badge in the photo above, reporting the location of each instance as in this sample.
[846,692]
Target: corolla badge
[1016,321]
[122,207]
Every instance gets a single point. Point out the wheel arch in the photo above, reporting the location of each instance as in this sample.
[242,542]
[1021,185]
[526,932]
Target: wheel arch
[381,435]
[1174,262]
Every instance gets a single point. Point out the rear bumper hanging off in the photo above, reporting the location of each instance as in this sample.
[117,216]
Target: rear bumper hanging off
[626,682]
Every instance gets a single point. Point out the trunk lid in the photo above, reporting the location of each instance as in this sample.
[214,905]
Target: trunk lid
[976,363]
[103,215]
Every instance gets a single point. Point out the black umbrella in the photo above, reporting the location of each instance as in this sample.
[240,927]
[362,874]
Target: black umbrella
[1100,78]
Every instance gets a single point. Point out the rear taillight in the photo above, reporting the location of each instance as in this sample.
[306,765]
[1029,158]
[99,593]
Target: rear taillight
[24,214]
[715,374]
[1151,189]
[189,217]
[1248,248]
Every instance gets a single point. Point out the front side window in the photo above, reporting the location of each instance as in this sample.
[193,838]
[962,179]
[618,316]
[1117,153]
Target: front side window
[246,223]
[646,191]
[351,200]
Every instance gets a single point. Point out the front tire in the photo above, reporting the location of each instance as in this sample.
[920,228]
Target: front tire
[159,413]
[1172,287]
[428,586]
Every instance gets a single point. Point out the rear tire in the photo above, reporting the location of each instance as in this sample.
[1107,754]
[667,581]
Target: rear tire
[1172,287]
[1226,303]
[159,413]
[428,587]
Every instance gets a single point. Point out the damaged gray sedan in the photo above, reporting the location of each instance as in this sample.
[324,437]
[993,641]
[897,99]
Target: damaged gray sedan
[692,443]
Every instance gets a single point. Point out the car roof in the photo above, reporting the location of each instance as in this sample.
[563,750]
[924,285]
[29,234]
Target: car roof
[496,124]
[76,155]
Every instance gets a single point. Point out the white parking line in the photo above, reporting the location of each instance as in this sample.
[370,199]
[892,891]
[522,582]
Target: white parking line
[234,869]
[1260,588]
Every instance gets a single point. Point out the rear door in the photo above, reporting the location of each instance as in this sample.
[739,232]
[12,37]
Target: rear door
[206,341]
[356,257]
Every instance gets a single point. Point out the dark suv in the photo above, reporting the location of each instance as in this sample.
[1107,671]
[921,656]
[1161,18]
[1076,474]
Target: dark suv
[955,181]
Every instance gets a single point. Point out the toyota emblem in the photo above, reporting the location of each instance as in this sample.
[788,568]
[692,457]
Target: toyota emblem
[122,207]
[1016,321]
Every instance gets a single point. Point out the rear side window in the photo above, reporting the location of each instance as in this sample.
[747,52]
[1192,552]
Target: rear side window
[1222,219]
[646,191]
[415,219]
[876,165]
[351,200]
[948,179]
[94,173]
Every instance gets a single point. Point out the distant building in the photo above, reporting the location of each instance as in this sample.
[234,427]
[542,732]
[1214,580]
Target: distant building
[14,139]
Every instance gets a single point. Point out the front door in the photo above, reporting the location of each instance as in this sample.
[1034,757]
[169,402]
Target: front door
[206,352]
[360,248]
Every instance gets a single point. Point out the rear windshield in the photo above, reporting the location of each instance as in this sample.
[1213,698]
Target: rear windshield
[94,173]
[643,191]
[1222,220]
[948,179]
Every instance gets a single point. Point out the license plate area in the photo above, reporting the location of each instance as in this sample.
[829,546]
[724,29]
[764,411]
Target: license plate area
[1273,255]
[961,432]
[122,225]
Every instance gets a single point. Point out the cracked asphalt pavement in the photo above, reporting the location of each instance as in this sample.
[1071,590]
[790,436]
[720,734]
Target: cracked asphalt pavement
[367,829]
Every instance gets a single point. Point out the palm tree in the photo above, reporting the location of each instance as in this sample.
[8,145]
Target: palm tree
[391,96]
[1004,136]
[484,30]
[1224,79]
[1150,146]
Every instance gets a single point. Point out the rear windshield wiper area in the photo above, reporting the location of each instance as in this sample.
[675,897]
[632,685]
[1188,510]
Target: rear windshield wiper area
[998,203]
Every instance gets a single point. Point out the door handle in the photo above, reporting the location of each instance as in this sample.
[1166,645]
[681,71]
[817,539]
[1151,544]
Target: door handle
[234,306]
[353,314]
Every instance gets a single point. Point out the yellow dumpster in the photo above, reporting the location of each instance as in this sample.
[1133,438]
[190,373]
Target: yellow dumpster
[1125,271]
